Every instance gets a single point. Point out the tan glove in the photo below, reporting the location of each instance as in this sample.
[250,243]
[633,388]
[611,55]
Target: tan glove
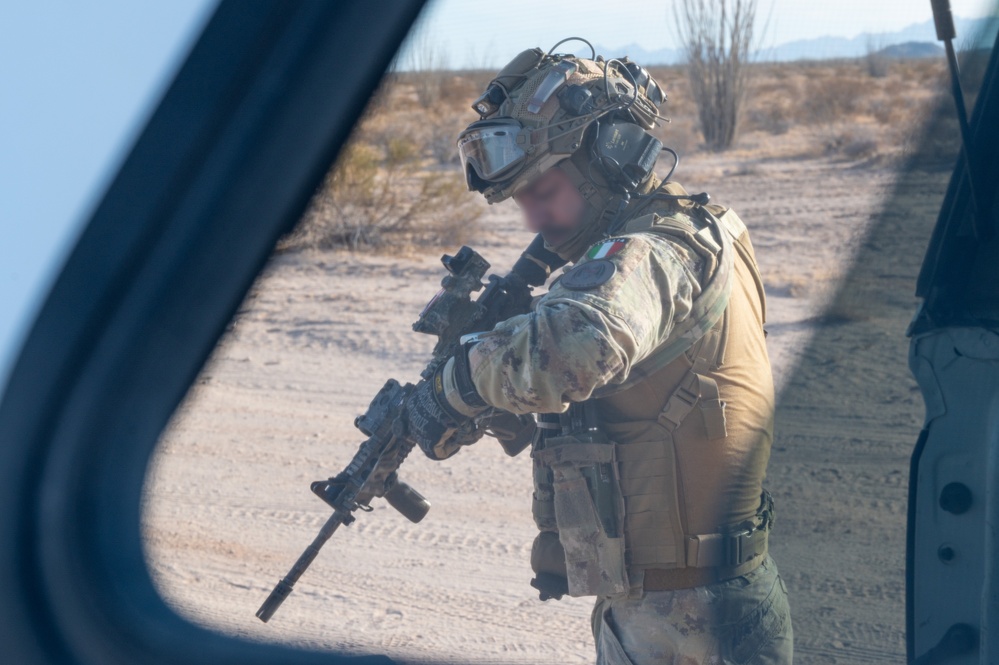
[467,434]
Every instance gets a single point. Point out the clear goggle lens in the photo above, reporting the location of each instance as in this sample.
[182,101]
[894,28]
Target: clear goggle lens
[492,149]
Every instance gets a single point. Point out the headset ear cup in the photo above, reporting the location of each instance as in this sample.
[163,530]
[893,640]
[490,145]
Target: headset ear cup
[591,95]
[626,153]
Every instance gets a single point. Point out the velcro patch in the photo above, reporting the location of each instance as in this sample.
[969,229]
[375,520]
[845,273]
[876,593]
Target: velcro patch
[606,248]
[588,275]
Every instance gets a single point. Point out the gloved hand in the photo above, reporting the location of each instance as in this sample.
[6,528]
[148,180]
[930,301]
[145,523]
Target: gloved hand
[548,563]
[513,432]
[434,425]
[466,434]
[427,424]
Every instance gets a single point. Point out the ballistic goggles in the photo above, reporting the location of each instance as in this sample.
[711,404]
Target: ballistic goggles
[489,151]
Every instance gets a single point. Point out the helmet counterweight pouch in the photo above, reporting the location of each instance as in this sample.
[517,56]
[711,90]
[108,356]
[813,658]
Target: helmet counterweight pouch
[626,152]
[559,103]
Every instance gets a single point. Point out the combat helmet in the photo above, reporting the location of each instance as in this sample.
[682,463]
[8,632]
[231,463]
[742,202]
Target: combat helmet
[589,116]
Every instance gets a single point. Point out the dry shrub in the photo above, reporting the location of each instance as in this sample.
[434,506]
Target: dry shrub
[432,131]
[428,67]
[462,87]
[933,137]
[381,196]
[678,128]
[927,71]
[832,109]
[875,60]
[846,141]
[885,111]
[773,119]
[441,143]
[751,169]
[839,107]
[878,65]
[680,133]
[438,132]
[398,184]
[769,104]
[673,80]
[829,98]
[859,147]
[896,87]
[717,38]
[932,134]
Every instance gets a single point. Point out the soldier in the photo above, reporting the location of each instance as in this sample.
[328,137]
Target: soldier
[646,363]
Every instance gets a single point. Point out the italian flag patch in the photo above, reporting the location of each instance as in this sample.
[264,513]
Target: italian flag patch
[607,248]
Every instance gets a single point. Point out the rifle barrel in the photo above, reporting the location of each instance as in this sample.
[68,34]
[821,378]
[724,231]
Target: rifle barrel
[285,586]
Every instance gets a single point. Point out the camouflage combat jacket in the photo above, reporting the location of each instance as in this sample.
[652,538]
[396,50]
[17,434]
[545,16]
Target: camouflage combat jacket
[690,439]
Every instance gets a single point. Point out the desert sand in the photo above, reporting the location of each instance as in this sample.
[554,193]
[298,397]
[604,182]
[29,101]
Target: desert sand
[228,503]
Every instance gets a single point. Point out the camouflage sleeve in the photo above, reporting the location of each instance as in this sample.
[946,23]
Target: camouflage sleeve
[603,316]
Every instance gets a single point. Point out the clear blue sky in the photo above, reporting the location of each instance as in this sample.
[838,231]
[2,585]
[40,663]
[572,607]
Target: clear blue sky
[79,78]
[488,34]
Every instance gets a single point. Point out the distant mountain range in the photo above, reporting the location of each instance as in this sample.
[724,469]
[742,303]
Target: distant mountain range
[918,40]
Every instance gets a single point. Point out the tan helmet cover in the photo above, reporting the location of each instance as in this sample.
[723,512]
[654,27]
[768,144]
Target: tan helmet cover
[533,83]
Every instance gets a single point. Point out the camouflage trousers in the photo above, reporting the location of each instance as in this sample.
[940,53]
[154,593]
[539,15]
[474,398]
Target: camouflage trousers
[742,620]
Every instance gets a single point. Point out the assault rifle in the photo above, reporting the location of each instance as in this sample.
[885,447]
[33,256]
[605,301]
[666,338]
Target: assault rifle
[451,314]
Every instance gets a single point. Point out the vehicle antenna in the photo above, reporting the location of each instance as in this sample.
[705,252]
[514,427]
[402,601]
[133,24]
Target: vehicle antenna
[943,19]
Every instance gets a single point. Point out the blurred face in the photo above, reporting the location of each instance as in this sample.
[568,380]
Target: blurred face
[552,206]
